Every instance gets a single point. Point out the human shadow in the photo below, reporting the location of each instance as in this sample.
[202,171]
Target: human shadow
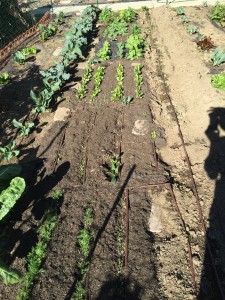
[213,270]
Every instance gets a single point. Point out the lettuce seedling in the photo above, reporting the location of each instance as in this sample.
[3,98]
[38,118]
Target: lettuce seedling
[4,79]
[218,81]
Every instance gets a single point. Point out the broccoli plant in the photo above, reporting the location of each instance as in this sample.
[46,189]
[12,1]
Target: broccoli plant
[8,152]
[24,129]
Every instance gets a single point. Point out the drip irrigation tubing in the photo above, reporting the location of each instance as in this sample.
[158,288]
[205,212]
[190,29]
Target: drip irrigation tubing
[194,188]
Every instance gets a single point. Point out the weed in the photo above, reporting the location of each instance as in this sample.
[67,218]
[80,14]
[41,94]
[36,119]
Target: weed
[24,129]
[218,81]
[192,29]
[57,194]
[8,152]
[104,53]
[180,11]
[218,57]
[4,79]
[138,79]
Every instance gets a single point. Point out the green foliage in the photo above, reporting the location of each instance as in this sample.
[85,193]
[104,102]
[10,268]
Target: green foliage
[136,45]
[9,275]
[185,19]
[104,53]
[180,11]
[98,76]
[127,100]
[88,218]
[192,29]
[42,101]
[218,13]
[8,152]
[57,194]
[128,15]
[24,129]
[114,168]
[84,241]
[135,29]
[144,8]
[138,79]
[4,79]
[59,19]
[218,57]
[121,50]
[11,195]
[20,56]
[116,28]
[37,253]
[7,173]
[106,16]
[79,293]
[117,93]
[218,81]
[153,135]
[47,31]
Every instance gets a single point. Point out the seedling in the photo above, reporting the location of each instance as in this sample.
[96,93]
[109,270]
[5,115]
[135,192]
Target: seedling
[218,81]
[192,29]
[24,129]
[153,135]
[98,76]
[8,152]
[115,167]
[57,194]
[180,11]
[47,31]
[127,99]
[117,93]
[218,57]
[104,53]
[185,19]
[4,79]
[121,49]
[205,43]
[138,79]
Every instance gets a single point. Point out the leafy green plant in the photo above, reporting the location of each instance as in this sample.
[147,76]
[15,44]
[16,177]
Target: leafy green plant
[218,81]
[104,53]
[180,11]
[138,79]
[29,51]
[218,13]
[192,29]
[7,173]
[185,19]
[57,194]
[47,31]
[106,16]
[11,195]
[117,93]
[42,101]
[218,57]
[59,19]
[4,79]
[153,135]
[116,28]
[128,15]
[127,100]
[38,252]
[98,76]
[136,45]
[19,57]
[84,241]
[121,50]
[9,275]
[115,167]
[135,29]
[8,152]
[82,90]
[24,129]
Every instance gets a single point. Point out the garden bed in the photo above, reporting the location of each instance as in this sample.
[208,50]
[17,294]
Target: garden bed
[143,246]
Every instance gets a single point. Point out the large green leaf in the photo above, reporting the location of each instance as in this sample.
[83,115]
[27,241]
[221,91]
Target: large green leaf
[9,276]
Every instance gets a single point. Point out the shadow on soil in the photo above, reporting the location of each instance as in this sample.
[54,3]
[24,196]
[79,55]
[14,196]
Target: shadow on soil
[37,199]
[215,237]
[99,234]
